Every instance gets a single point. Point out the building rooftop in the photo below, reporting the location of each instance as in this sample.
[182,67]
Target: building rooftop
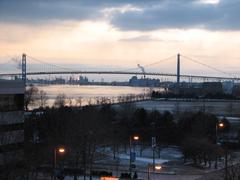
[12,87]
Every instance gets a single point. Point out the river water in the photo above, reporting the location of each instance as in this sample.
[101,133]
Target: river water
[90,94]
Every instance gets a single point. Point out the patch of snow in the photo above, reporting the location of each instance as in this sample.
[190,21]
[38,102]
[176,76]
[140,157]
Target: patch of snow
[143,159]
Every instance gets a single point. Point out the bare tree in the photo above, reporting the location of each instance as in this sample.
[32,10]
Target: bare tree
[79,101]
[90,102]
[97,100]
[103,100]
[43,98]
[69,101]
[30,96]
[60,100]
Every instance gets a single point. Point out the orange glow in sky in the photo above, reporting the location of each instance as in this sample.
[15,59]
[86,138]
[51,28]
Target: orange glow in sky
[99,42]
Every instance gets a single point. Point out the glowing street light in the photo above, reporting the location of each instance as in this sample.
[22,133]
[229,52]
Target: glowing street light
[61,150]
[156,167]
[135,138]
[221,125]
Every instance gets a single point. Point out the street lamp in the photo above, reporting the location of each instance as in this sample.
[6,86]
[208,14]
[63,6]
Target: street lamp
[135,138]
[61,150]
[222,125]
[57,150]
[219,125]
[156,167]
[132,156]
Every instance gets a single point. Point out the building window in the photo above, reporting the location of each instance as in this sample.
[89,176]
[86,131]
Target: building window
[11,102]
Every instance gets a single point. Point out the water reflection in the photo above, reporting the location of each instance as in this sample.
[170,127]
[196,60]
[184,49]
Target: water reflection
[83,95]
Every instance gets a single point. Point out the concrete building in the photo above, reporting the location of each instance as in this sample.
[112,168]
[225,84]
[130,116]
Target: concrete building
[11,121]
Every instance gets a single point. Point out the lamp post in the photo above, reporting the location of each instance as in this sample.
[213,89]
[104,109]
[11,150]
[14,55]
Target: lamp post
[132,138]
[154,167]
[57,150]
[219,125]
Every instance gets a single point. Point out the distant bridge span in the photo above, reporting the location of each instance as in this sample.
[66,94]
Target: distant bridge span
[124,73]
[64,70]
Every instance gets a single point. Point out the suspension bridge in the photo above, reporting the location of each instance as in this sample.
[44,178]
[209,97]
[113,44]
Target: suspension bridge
[53,69]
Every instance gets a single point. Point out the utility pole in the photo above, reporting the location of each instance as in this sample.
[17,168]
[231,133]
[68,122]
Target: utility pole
[24,68]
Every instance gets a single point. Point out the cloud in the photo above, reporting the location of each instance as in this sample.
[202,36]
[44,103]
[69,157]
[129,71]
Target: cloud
[142,38]
[29,11]
[182,15]
[140,15]
[147,38]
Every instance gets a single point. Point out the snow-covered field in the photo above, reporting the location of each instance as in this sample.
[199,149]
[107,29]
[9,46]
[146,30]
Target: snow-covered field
[216,107]
[144,160]
[165,154]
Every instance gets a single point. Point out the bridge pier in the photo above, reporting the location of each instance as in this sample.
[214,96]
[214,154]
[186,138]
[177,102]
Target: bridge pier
[178,73]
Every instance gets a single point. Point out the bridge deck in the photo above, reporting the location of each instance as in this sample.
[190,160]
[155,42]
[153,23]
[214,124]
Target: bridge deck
[123,73]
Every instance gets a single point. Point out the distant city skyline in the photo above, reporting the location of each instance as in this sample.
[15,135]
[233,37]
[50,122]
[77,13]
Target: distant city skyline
[123,33]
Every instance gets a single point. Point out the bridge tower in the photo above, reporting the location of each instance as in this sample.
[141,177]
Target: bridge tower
[24,68]
[178,72]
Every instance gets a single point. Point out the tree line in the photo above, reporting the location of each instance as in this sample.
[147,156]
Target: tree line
[86,130]
[35,98]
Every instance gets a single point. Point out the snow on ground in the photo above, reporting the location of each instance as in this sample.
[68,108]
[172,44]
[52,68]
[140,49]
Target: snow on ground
[171,153]
[143,159]
[166,154]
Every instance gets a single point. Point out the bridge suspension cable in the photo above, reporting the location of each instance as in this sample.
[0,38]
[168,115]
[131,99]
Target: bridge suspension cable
[151,64]
[208,66]
[126,70]
[160,61]
[57,66]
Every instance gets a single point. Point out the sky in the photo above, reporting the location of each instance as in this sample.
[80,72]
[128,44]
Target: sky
[124,33]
